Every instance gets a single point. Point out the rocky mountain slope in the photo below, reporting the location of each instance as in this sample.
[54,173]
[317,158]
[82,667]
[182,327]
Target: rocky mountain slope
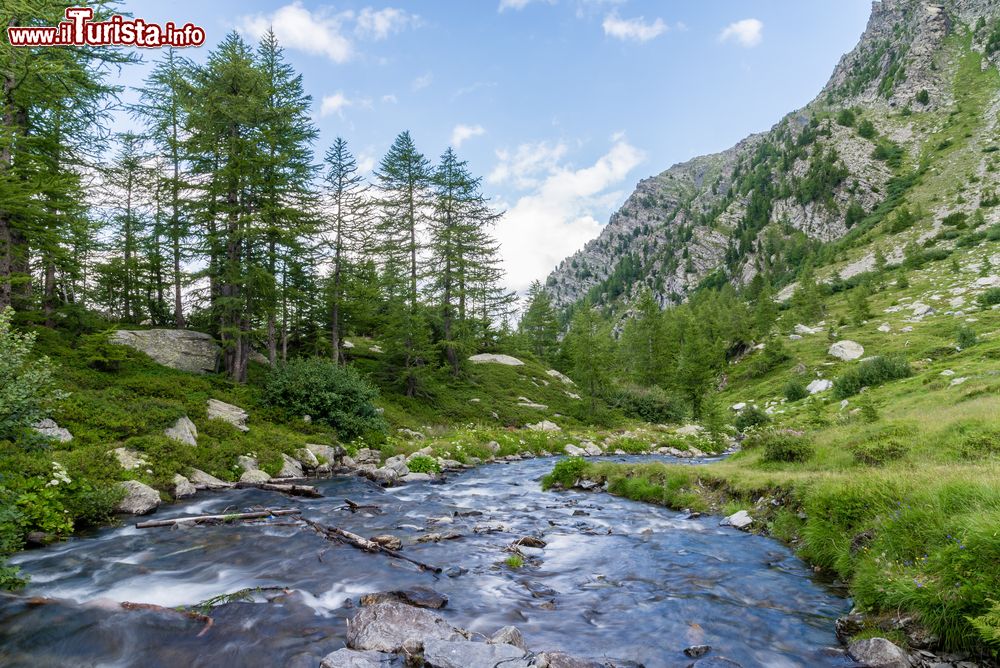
[908,120]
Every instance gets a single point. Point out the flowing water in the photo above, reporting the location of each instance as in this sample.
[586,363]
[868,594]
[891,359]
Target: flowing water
[617,579]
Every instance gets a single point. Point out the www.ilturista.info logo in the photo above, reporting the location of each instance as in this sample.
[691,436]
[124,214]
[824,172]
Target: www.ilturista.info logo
[79,29]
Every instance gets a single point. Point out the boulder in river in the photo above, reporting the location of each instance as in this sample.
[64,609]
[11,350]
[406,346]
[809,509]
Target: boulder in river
[697,651]
[140,499]
[234,415]
[183,430]
[202,480]
[464,654]
[419,596]
[349,658]
[182,487]
[715,662]
[176,348]
[508,635]
[738,520]
[390,626]
[255,476]
[416,477]
[878,653]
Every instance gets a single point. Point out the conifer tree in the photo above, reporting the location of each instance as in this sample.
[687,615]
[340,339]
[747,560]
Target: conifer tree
[588,345]
[539,327]
[641,344]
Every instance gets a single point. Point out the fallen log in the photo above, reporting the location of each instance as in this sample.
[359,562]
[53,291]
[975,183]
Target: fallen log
[207,519]
[290,489]
[354,507]
[190,614]
[353,539]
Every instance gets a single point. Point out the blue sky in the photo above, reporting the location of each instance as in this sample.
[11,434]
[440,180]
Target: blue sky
[561,105]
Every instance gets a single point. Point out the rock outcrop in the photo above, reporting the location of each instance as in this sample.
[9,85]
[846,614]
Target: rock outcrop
[183,430]
[234,415]
[176,348]
[49,429]
[488,358]
[139,499]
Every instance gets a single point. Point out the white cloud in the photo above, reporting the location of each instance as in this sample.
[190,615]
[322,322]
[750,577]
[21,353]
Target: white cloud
[463,132]
[515,4]
[636,29]
[324,32]
[525,168]
[366,162]
[747,33]
[561,212]
[296,27]
[338,102]
[423,81]
[389,99]
[381,23]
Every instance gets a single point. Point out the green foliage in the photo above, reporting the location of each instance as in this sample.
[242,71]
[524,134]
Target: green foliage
[780,445]
[101,354]
[871,373]
[879,452]
[423,464]
[773,355]
[955,219]
[514,561]
[978,444]
[923,97]
[652,404]
[859,306]
[566,472]
[990,297]
[966,337]
[27,388]
[869,407]
[539,326]
[588,345]
[331,394]
[866,129]
[846,117]
[795,389]
[855,214]
[749,418]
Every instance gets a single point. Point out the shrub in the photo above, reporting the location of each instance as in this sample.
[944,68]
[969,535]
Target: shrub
[879,452]
[871,373]
[966,337]
[566,472]
[846,117]
[990,298]
[955,219]
[773,355]
[27,389]
[866,129]
[980,444]
[331,394]
[101,354]
[923,97]
[423,464]
[795,390]
[751,417]
[651,404]
[780,445]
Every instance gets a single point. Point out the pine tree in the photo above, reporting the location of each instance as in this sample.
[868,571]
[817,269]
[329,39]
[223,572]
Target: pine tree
[539,327]
[642,342]
[806,299]
[588,345]
[346,229]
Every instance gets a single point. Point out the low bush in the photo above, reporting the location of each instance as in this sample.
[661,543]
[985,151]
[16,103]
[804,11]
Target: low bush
[871,373]
[423,464]
[565,473]
[990,298]
[780,445]
[749,418]
[879,452]
[651,404]
[331,394]
[795,390]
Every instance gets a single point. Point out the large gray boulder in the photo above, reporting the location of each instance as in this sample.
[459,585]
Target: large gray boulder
[878,653]
[202,480]
[176,348]
[290,468]
[349,658]
[49,429]
[234,415]
[183,430]
[846,350]
[390,626]
[182,487]
[464,654]
[508,635]
[487,358]
[139,499]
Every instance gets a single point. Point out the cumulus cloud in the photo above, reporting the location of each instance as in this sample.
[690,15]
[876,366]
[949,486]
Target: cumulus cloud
[747,32]
[423,81]
[324,32]
[515,4]
[561,211]
[636,30]
[463,132]
[389,99]
[338,102]
[381,23]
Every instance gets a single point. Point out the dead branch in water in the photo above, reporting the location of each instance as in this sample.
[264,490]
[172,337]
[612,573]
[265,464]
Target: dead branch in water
[290,489]
[355,507]
[353,539]
[190,614]
[209,519]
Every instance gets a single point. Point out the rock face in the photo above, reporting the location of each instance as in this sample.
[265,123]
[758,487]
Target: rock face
[183,430]
[49,429]
[234,415]
[140,499]
[846,350]
[878,653]
[393,626]
[176,348]
[488,358]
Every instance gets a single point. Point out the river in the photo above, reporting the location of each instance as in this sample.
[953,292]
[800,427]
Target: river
[617,579]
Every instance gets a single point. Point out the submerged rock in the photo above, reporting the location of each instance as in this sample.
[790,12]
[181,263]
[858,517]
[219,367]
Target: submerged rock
[419,596]
[697,651]
[715,662]
[878,653]
[349,658]
[452,654]
[140,499]
[392,626]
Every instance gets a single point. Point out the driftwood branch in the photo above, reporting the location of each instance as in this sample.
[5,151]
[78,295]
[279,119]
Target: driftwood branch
[353,539]
[355,507]
[284,488]
[190,614]
[209,519]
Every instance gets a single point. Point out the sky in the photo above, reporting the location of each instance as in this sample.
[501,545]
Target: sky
[562,106]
